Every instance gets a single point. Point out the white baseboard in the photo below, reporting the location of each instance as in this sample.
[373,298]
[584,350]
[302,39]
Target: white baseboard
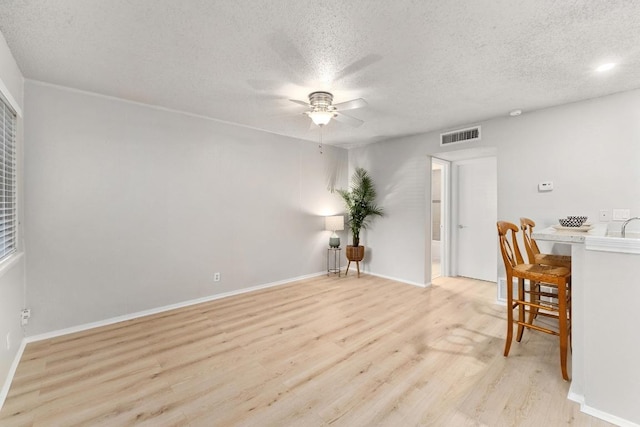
[607,417]
[613,419]
[408,282]
[12,371]
[575,397]
[112,320]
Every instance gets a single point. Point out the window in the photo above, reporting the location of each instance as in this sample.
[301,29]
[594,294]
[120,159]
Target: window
[7,180]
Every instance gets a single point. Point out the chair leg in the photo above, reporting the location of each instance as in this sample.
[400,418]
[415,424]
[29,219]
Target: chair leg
[569,312]
[521,309]
[507,344]
[564,332]
[533,311]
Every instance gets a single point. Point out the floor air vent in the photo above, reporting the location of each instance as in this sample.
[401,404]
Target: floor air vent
[461,135]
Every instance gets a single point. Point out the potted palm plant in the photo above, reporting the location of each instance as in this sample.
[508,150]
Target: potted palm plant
[360,203]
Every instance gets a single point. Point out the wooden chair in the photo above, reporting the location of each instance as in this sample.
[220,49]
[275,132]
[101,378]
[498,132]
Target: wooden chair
[538,302]
[533,253]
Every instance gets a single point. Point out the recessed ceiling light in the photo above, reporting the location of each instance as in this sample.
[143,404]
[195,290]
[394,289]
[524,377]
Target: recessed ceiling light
[605,67]
[515,113]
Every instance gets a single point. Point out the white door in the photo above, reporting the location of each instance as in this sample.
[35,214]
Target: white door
[477,212]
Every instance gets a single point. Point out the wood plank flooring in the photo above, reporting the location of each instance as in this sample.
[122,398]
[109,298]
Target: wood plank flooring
[324,351]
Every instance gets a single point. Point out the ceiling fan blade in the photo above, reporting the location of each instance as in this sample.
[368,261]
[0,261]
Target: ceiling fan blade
[358,65]
[343,118]
[306,104]
[351,105]
[284,47]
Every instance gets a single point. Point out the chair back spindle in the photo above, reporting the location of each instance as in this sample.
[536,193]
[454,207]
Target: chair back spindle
[530,244]
[511,254]
[533,252]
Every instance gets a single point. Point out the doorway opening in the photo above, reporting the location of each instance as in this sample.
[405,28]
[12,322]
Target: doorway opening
[439,217]
[467,209]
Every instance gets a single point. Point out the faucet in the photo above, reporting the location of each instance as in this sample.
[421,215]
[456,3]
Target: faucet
[624,226]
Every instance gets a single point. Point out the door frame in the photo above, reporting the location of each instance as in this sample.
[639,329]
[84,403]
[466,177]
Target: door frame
[452,206]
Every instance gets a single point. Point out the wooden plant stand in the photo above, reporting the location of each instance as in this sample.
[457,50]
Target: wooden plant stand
[355,254]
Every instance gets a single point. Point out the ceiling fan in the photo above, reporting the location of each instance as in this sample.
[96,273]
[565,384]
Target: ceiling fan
[322,109]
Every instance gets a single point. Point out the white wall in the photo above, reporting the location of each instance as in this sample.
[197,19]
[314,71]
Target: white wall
[396,245]
[132,207]
[11,80]
[590,150]
[12,269]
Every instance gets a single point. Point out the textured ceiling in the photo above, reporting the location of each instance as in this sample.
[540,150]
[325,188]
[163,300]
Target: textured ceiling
[421,65]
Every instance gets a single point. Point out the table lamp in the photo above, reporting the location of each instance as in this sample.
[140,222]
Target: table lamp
[334,223]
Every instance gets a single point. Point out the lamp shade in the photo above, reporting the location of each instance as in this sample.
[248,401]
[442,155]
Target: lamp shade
[334,223]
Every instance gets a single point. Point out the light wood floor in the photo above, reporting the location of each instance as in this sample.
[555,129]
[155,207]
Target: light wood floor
[435,269]
[325,351]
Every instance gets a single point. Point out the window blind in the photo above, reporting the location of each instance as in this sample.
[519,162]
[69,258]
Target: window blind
[7,180]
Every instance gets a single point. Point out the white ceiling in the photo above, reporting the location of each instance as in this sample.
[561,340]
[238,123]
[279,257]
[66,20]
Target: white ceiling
[421,65]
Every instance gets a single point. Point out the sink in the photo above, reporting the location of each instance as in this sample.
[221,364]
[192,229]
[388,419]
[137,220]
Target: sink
[610,239]
[628,234]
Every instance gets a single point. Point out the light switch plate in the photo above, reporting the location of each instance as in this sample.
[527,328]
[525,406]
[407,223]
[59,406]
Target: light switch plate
[621,214]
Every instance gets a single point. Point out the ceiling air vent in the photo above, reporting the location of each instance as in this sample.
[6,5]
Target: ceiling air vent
[460,135]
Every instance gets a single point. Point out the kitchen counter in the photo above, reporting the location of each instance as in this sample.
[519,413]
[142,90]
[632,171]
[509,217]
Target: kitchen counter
[605,274]
[570,236]
[599,238]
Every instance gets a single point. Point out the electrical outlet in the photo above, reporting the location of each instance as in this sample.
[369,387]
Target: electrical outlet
[25,315]
[216,277]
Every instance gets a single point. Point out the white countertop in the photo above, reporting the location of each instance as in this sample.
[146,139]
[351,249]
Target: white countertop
[569,236]
[596,239]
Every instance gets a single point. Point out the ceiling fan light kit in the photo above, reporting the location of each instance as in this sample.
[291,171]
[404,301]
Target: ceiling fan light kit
[320,118]
[322,109]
